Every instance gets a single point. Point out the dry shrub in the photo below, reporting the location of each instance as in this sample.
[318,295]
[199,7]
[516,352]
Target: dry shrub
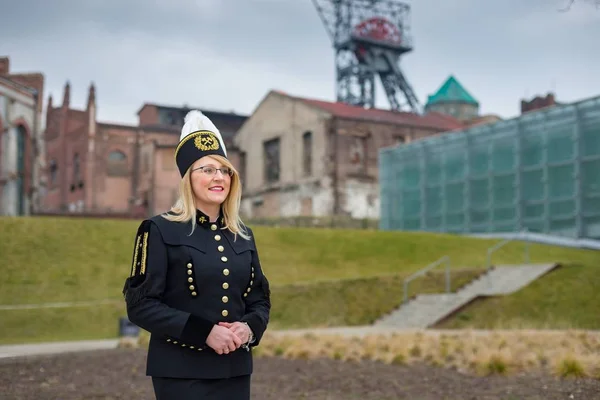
[561,353]
[496,364]
[569,366]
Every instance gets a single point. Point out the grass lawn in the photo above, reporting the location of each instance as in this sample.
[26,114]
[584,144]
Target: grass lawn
[320,277]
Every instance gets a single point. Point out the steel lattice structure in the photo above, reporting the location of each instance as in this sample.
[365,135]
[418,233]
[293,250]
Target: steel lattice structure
[369,37]
[539,171]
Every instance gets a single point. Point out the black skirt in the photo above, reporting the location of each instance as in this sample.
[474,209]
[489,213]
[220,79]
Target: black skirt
[236,388]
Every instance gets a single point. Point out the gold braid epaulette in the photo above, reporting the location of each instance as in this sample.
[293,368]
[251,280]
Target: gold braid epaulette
[140,252]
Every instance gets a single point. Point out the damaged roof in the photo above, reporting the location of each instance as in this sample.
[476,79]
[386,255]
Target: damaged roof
[342,110]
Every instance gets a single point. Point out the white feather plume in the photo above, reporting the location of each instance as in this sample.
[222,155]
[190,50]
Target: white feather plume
[196,121]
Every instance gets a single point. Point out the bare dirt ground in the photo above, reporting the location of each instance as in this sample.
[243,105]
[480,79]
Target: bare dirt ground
[119,374]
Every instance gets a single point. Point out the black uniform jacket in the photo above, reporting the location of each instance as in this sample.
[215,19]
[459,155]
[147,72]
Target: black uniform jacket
[181,285]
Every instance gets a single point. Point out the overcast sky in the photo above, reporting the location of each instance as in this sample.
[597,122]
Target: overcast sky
[227,54]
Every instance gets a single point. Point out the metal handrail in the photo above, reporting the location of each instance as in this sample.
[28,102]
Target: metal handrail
[422,272]
[497,246]
[446,259]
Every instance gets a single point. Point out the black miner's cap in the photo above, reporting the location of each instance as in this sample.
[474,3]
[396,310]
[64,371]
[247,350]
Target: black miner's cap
[199,138]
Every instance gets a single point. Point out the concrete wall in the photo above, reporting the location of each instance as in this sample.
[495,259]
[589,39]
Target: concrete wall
[344,178]
[294,193]
[357,150]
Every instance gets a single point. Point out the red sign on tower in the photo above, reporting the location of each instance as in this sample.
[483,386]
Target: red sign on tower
[378,29]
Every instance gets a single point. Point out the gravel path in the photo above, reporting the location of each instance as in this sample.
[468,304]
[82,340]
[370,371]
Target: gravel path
[119,374]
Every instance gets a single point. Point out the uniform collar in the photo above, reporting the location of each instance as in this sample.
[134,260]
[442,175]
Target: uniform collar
[203,220]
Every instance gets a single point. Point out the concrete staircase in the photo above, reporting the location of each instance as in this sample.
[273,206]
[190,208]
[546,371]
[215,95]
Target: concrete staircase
[427,309]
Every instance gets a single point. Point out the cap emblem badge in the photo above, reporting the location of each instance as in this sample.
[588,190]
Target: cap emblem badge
[206,141]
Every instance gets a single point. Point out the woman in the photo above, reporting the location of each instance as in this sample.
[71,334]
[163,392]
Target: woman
[196,282]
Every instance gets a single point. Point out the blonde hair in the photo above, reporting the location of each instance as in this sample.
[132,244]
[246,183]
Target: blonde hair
[184,209]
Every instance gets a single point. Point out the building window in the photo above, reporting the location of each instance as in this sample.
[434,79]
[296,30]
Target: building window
[307,153]
[116,156]
[453,111]
[358,153]
[53,173]
[117,163]
[271,160]
[76,173]
[77,182]
[399,139]
[170,117]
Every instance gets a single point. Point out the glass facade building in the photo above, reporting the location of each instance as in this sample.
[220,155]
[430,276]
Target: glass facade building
[539,171]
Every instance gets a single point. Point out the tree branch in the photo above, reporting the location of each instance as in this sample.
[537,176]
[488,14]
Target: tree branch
[568,6]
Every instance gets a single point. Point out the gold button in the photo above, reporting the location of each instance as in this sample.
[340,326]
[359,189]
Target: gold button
[224,259]
[192,347]
[168,340]
[189,265]
[224,313]
[225,299]
[182,344]
[221,248]
[245,294]
[192,287]
[225,285]
[213,227]
[225,272]
[175,342]
[189,271]
[190,279]
[194,293]
[249,290]
[253,275]
[252,269]
[217,237]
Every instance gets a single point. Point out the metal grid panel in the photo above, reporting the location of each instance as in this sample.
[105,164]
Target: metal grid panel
[540,171]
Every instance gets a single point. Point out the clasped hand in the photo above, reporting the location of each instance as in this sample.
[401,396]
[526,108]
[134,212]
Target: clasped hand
[227,337]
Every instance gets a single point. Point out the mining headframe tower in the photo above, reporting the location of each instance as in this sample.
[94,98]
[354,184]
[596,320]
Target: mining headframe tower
[369,38]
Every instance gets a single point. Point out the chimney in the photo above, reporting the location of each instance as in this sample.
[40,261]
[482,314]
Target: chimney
[91,110]
[538,103]
[67,95]
[4,66]
[49,110]
[91,96]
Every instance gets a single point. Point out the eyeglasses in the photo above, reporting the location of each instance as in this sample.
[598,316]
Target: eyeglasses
[213,171]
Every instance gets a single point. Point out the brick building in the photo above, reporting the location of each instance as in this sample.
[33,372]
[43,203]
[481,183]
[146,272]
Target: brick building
[305,157]
[538,102]
[21,142]
[104,168]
